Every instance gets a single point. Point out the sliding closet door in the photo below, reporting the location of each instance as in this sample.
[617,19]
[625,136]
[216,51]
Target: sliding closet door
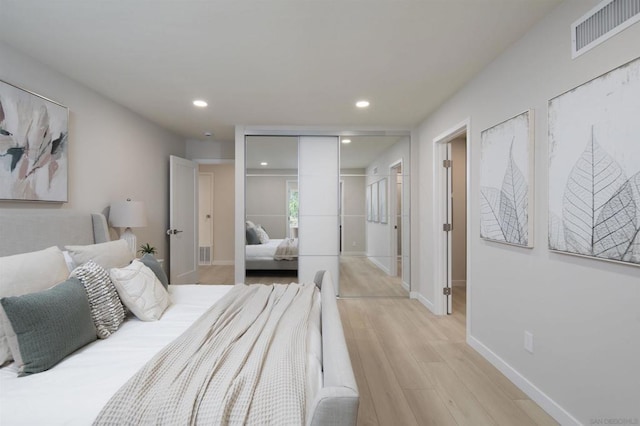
[318,175]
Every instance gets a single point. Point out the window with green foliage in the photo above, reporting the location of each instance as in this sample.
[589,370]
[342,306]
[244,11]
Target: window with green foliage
[293,207]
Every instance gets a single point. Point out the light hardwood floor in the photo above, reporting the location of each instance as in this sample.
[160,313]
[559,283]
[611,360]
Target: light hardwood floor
[216,274]
[414,368]
[360,277]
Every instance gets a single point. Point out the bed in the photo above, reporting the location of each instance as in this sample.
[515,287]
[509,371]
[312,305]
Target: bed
[76,390]
[261,257]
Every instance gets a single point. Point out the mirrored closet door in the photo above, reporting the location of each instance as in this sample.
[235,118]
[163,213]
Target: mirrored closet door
[271,207]
[374,216]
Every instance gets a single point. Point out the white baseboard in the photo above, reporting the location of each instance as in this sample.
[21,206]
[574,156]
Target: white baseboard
[427,304]
[379,265]
[405,286]
[550,406]
[223,263]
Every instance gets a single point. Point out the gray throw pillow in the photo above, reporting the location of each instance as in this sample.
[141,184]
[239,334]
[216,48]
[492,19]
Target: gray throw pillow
[153,264]
[49,325]
[252,236]
[107,310]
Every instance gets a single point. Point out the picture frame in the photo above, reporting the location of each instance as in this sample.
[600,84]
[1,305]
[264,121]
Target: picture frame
[382,199]
[33,147]
[374,203]
[594,168]
[368,202]
[507,180]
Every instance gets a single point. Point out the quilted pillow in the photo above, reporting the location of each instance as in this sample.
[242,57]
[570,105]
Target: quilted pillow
[262,234]
[28,273]
[140,290]
[107,311]
[112,254]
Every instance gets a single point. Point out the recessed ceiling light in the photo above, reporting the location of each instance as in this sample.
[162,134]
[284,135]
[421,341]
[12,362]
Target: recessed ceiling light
[362,104]
[200,103]
[264,163]
[346,140]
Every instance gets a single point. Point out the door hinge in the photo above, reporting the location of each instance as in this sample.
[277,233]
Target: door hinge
[446,291]
[446,227]
[446,164]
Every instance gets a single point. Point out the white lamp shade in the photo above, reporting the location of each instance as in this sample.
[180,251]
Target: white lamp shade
[128,214]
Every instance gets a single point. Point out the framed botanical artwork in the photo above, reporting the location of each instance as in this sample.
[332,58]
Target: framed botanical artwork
[33,146]
[374,203]
[506,181]
[594,168]
[382,200]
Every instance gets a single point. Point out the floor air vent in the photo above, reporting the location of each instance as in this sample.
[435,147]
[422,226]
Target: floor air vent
[604,21]
[205,256]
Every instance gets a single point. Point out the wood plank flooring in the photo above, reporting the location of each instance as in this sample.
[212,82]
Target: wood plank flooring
[360,277]
[415,368]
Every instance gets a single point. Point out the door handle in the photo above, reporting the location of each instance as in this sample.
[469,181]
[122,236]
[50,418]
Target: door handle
[173,231]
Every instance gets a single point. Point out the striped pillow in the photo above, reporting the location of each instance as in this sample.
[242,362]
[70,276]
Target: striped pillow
[107,310]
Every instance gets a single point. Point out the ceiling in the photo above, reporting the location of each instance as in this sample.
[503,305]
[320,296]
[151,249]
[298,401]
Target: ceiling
[277,62]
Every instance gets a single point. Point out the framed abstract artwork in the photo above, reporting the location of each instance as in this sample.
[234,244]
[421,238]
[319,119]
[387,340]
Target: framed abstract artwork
[594,168]
[33,146]
[506,181]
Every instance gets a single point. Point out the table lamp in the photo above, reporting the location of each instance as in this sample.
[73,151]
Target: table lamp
[128,214]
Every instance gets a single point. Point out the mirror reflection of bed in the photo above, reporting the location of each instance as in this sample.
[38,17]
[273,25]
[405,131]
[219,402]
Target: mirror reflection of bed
[271,208]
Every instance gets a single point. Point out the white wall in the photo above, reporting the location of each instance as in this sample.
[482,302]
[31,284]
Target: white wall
[114,153]
[353,211]
[266,199]
[583,312]
[379,234]
[209,150]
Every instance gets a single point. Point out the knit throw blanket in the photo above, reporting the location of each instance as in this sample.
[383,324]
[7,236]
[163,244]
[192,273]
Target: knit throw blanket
[241,362]
[287,250]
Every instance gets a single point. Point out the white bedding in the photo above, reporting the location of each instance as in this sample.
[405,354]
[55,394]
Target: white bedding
[262,251]
[105,365]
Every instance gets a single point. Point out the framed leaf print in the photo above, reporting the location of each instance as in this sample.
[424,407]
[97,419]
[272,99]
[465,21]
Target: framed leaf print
[506,181]
[594,168]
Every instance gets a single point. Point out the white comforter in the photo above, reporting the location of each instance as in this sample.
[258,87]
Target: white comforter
[77,388]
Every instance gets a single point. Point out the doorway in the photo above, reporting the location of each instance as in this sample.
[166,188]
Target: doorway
[216,245]
[451,221]
[396,214]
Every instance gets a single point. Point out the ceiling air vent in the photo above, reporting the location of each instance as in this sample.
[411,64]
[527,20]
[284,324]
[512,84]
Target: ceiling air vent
[604,21]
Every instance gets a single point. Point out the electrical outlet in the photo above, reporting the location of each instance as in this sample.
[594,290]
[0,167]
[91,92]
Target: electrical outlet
[528,341]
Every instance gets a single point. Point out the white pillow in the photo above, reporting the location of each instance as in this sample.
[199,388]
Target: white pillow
[28,273]
[140,290]
[262,234]
[112,254]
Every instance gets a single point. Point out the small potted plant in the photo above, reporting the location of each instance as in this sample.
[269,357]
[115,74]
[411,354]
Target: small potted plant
[147,248]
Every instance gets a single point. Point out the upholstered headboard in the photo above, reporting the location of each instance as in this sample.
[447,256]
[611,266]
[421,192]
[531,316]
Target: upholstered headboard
[25,230]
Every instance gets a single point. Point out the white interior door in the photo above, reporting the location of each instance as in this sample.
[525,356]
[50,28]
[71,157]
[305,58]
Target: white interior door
[183,221]
[205,218]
